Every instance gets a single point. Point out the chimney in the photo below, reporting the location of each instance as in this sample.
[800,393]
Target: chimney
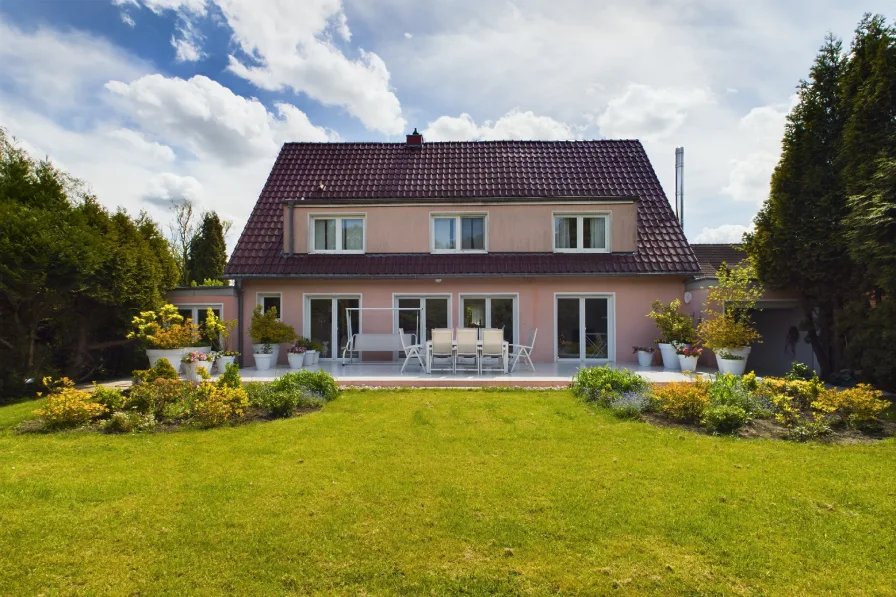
[415,139]
[679,185]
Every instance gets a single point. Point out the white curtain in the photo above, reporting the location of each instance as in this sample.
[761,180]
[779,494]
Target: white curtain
[564,232]
[597,235]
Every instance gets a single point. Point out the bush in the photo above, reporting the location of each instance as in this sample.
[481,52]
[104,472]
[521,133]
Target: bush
[68,407]
[266,328]
[674,326]
[724,418]
[803,392]
[605,384]
[681,400]
[211,405]
[812,429]
[161,370]
[111,399]
[855,407]
[630,405]
[798,371]
[730,390]
[231,377]
[131,421]
[163,398]
[318,384]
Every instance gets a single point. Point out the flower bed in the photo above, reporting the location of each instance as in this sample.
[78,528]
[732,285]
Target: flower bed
[791,407]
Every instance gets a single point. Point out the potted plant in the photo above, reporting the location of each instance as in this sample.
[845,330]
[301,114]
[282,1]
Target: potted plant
[265,328]
[165,334]
[224,358]
[263,357]
[296,355]
[645,355]
[687,357]
[676,329]
[728,329]
[315,348]
[193,361]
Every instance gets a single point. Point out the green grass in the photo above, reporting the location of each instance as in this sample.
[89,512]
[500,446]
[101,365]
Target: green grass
[442,492]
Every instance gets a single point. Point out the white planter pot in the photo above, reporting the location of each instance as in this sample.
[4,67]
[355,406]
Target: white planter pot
[315,357]
[645,359]
[172,355]
[191,370]
[670,357]
[732,366]
[256,348]
[263,361]
[222,362]
[687,363]
[296,359]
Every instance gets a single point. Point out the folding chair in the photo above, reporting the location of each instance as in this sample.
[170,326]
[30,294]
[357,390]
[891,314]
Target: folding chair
[518,351]
[410,350]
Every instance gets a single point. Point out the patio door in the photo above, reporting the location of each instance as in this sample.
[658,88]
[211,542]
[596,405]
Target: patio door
[583,327]
[325,322]
[492,311]
[436,313]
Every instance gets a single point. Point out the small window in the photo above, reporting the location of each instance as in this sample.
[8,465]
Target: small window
[447,229]
[580,233]
[338,235]
[270,301]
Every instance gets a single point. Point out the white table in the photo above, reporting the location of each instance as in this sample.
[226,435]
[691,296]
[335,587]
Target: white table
[505,357]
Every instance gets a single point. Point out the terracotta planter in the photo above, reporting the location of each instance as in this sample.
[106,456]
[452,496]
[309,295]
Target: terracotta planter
[645,359]
[687,363]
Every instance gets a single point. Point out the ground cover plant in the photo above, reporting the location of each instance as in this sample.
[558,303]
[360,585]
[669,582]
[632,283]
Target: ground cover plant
[442,492]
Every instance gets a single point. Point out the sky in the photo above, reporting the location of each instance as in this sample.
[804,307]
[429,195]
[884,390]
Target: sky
[150,101]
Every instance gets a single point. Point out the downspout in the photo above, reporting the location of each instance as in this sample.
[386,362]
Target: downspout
[239,319]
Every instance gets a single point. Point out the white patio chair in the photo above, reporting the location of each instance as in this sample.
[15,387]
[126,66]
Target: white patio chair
[518,351]
[467,346]
[441,347]
[410,350]
[493,348]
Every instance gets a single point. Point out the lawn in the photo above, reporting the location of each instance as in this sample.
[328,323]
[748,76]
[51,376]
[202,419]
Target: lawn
[442,492]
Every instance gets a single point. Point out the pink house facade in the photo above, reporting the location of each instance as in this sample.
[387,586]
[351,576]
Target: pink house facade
[572,239]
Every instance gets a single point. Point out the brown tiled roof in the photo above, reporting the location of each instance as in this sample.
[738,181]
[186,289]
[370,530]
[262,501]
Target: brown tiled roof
[357,173]
[711,256]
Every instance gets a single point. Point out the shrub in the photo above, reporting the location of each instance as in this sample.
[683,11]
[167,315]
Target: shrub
[681,400]
[161,370]
[231,377]
[724,418]
[629,405]
[318,384]
[604,384]
[675,327]
[804,392]
[68,407]
[165,329]
[798,371]
[110,398]
[726,389]
[163,398]
[855,406]
[212,406]
[812,429]
[130,421]
[267,329]
[787,412]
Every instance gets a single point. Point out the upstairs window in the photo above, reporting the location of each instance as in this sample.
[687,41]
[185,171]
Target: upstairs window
[337,234]
[458,233]
[581,233]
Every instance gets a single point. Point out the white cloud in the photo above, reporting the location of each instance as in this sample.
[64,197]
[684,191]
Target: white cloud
[137,141]
[196,7]
[516,124]
[165,188]
[646,112]
[726,233]
[127,19]
[408,35]
[187,41]
[209,120]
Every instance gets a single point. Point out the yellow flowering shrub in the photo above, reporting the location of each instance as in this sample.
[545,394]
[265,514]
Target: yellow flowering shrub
[213,405]
[804,392]
[853,406]
[681,400]
[66,406]
[787,411]
[165,329]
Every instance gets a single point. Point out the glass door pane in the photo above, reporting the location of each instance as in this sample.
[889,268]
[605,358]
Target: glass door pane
[409,320]
[568,328]
[342,324]
[436,315]
[474,312]
[321,314]
[596,329]
[502,316]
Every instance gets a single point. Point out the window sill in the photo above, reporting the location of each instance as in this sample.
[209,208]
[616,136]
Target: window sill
[336,252]
[458,251]
[582,251]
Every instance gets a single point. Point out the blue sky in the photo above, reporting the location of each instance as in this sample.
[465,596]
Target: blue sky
[153,100]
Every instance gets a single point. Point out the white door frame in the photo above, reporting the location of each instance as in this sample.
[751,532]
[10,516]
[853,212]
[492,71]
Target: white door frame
[334,335]
[611,324]
[488,296]
[419,295]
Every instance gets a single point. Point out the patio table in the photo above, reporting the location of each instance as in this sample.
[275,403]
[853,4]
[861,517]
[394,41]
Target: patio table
[506,357]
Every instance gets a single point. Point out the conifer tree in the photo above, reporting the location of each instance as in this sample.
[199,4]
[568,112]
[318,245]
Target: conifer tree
[208,251]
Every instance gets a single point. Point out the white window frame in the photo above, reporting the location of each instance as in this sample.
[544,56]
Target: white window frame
[338,217]
[458,240]
[196,307]
[580,229]
[259,300]
[334,298]
[611,325]
[515,296]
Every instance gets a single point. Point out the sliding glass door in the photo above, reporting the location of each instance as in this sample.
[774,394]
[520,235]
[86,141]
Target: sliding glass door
[496,312]
[325,322]
[435,313]
[583,327]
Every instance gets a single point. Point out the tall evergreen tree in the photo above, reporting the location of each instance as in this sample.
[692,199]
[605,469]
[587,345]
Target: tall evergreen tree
[799,240]
[208,251]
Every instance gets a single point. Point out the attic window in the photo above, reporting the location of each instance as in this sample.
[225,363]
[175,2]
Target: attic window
[338,234]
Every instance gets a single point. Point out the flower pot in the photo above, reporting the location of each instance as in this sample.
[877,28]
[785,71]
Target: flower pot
[687,363]
[256,348]
[191,370]
[732,366]
[296,359]
[645,359]
[263,361]
[315,357]
[670,357]
[205,349]
[222,362]
[172,355]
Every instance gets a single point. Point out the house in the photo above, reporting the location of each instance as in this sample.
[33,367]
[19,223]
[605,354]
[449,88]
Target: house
[572,238]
